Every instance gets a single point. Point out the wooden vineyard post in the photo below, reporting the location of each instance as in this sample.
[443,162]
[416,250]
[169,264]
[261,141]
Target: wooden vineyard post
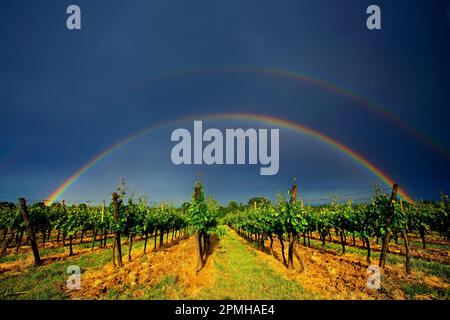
[117,237]
[405,239]
[198,242]
[294,191]
[63,204]
[387,234]
[161,229]
[6,242]
[198,236]
[26,219]
[292,239]
[8,239]
[114,252]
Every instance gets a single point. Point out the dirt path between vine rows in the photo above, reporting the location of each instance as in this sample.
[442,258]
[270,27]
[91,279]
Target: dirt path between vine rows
[167,273]
[334,276]
[240,273]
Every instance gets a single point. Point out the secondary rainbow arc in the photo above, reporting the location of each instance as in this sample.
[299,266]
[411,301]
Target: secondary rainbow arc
[265,119]
[320,83]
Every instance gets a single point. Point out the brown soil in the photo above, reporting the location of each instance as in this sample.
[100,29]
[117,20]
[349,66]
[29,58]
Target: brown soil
[148,270]
[334,276]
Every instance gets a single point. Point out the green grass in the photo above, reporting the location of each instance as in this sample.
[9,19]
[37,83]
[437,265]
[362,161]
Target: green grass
[418,245]
[166,288]
[161,290]
[42,252]
[412,290]
[240,274]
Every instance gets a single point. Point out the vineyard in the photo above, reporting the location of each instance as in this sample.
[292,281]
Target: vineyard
[282,250]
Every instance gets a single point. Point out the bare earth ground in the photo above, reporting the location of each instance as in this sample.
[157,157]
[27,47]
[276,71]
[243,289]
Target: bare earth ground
[335,276]
[177,260]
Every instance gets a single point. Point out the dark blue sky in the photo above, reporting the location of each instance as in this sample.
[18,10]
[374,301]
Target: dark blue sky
[67,95]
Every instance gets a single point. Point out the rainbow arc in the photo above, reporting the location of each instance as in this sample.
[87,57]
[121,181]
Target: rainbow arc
[263,119]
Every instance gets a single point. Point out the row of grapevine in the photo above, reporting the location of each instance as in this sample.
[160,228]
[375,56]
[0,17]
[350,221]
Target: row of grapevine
[66,222]
[383,218]
[123,217]
[203,216]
